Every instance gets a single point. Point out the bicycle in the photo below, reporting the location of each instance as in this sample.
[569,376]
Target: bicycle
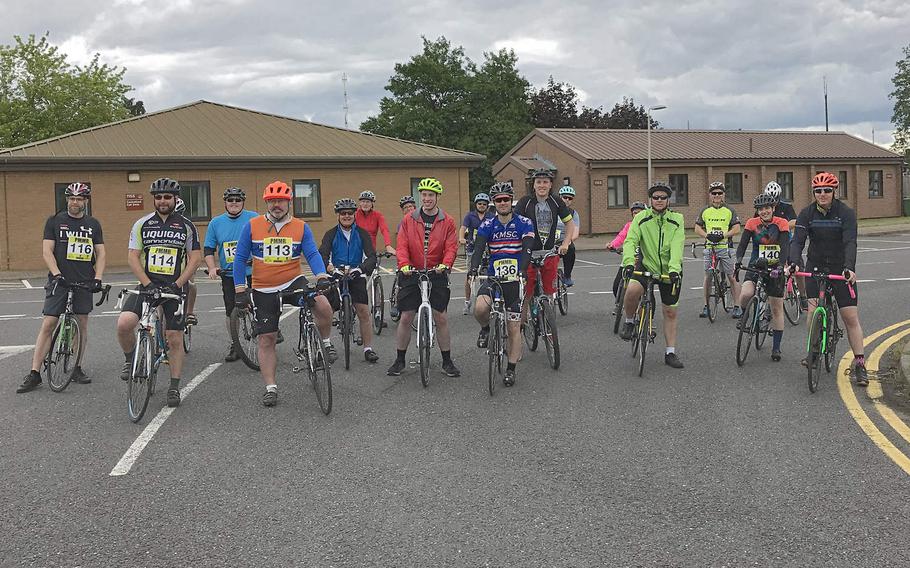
[824,327]
[150,351]
[643,330]
[755,323]
[719,291]
[619,298]
[499,331]
[187,336]
[792,302]
[310,349]
[377,295]
[65,352]
[426,326]
[346,317]
[484,261]
[244,333]
[562,292]
[541,322]
[393,301]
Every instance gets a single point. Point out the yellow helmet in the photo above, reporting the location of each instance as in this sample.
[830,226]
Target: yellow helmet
[430,184]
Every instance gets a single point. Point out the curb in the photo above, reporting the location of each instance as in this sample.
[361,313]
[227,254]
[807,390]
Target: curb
[904,367]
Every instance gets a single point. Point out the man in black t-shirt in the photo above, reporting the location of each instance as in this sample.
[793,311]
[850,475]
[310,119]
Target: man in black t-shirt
[73,250]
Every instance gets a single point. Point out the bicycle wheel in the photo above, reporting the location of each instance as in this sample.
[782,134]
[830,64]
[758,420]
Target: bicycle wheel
[636,331]
[393,301]
[618,315]
[378,308]
[187,338]
[139,385]
[562,293]
[791,305]
[833,335]
[815,347]
[423,345]
[245,337]
[494,349]
[726,293]
[318,368]
[764,325]
[64,353]
[530,331]
[550,334]
[646,315]
[746,328]
[347,328]
[713,297]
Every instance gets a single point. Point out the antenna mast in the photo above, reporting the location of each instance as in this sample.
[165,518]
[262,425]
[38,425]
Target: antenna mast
[825,83]
[344,81]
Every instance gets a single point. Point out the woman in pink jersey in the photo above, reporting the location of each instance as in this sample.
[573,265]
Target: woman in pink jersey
[616,244]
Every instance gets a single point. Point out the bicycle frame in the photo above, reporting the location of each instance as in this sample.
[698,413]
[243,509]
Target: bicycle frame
[424,283]
[826,301]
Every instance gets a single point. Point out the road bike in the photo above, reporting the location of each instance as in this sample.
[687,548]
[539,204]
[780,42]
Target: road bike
[755,323]
[497,340]
[376,295]
[793,300]
[244,334]
[472,280]
[824,327]
[643,328]
[719,292]
[426,326]
[541,321]
[65,353]
[562,292]
[619,297]
[346,316]
[310,351]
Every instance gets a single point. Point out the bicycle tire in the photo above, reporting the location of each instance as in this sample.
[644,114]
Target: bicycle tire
[493,352]
[762,336]
[791,306]
[187,338]
[423,346]
[833,337]
[347,329]
[712,296]
[550,334]
[378,308]
[319,369]
[814,349]
[393,301]
[245,337]
[647,318]
[562,293]
[726,293]
[139,385]
[529,330]
[746,329]
[636,331]
[64,353]
[618,308]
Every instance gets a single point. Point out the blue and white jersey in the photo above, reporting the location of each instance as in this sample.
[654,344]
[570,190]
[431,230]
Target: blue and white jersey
[504,242]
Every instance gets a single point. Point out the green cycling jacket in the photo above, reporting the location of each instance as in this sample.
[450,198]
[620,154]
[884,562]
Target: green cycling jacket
[661,237]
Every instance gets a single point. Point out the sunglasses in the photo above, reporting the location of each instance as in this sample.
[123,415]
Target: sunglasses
[163,196]
[717,193]
[345,213]
[818,190]
[503,200]
[233,200]
[567,198]
[660,197]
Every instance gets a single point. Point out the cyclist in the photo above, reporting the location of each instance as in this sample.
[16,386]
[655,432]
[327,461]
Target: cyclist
[659,233]
[427,240]
[347,245]
[785,210]
[830,226]
[373,221]
[620,238]
[567,193]
[408,206]
[190,317]
[770,238]
[221,240]
[163,254]
[717,223]
[73,250]
[544,209]
[510,238]
[472,220]
[275,242]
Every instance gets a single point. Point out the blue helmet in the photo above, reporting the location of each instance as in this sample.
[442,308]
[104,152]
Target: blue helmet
[481,197]
[567,190]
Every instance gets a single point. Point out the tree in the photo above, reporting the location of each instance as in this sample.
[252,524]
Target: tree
[626,115]
[554,106]
[134,107]
[901,97]
[42,95]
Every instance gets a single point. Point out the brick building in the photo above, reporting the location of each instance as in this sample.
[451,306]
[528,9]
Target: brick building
[208,147]
[608,169]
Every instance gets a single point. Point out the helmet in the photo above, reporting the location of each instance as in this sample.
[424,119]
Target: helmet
[481,197]
[501,188]
[773,190]
[276,190]
[430,184]
[717,185]
[367,195]
[180,206]
[345,204]
[824,179]
[234,192]
[78,189]
[763,200]
[637,205]
[567,190]
[661,186]
[542,172]
[164,185]
[405,199]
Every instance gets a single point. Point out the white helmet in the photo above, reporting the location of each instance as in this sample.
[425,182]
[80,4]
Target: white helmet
[180,206]
[773,190]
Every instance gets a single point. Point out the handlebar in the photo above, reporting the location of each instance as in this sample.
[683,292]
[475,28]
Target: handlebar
[385,254]
[219,272]
[645,274]
[539,259]
[824,276]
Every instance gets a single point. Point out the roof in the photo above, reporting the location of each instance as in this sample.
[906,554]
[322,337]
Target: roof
[212,132]
[602,145]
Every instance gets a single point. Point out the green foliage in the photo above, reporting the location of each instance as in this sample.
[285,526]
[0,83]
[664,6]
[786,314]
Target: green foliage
[134,107]
[901,97]
[554,106]
[41,95]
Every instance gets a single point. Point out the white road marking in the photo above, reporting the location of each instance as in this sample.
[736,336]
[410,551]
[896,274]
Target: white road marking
[603,292]
[135,450]
[26,284]
[697,288]
[865,280]
[589,262]
[879,262]
[10,350]
[287,313]
[881,241]
[12,316]
[897,279]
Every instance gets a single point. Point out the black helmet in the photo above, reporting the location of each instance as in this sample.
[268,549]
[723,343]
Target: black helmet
[542,172]
[501,188]
[763,200]
[164,185]
[234,192]
[637,205]
[345,204]
[405,199]
[659,186]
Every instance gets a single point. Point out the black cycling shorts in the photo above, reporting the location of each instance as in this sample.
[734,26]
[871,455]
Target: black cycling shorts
[172,322]
[841,291]
[55,300]
[267,305]
[228,293]
[773,286]
[667,296]
[511,295]
[409,292]
[357,287]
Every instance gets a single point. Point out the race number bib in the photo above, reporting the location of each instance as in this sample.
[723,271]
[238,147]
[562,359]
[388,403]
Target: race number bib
[771,253]
[558,234]
[162,260]
[506,268]
[79,249]
[276,250]
[230,249]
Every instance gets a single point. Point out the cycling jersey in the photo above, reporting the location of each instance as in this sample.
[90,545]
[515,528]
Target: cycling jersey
[373,222]
[471,222]
[783,210]
[561,226]
[770,241]
[164,245]
[661,238]
[831,234]
[351,248]
[422,249]
[621,236]
[276,250]
[508,258]
[553,207]
[718,220]
[74,244]
[222,235]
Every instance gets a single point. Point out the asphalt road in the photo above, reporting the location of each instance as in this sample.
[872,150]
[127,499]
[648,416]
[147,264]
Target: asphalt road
[713,465]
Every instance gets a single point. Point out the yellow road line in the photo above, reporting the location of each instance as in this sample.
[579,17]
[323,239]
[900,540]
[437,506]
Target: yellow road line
[856,411]
[876,394]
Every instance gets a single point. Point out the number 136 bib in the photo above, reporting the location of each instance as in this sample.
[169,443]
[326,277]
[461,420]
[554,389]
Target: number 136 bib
[506,268]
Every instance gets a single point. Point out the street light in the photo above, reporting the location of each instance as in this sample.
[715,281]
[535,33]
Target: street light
[653,108]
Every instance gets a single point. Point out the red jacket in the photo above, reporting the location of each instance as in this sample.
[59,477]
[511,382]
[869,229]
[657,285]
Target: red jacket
[443,246]
[373,222]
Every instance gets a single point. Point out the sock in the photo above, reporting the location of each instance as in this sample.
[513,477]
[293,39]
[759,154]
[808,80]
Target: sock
[671,350]
[510,366]
[860,360]
[630,320]
[401,354]
[446,356]
[365,349]
[486,328]
[326,342]
[35,373]
[175,383]
[271,388]
[777,336]
[129,356]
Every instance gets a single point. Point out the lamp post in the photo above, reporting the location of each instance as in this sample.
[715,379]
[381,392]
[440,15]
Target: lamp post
[653,108]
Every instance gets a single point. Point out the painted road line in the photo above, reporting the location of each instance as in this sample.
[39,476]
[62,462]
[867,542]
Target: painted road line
[12,316]
[287,313]
[874,390]
[877,262]
[10,350]
[848,396]
[135,450]
[26,284]
[897,279]
[697,288]
[602,292]
[589,262]
[863,281]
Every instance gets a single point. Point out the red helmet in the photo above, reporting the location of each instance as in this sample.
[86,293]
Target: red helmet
[824,179]
[78,189]
[276,190]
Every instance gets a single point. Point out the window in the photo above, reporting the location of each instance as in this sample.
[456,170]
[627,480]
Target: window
[414,193]
[734,185]
[876,191]
[617,191]
[785,181]
[841,192]
[679,183]
[197,196]
[307,198]
[60,197]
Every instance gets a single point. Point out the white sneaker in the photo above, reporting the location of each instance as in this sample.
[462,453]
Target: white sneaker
[467,307]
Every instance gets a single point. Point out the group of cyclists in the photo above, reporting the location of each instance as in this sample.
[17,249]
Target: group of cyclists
[258,256]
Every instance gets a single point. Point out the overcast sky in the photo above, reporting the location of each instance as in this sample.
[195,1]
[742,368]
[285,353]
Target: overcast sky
[715,64]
